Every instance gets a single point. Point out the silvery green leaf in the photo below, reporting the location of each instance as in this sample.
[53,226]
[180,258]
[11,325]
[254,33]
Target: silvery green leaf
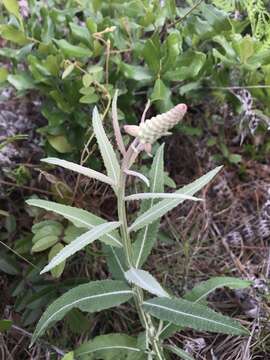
[79,243]
[106,149]
[143,196]
[147,236]
[91,297]
[203,289]
[80,169]
[79,217]
[146,281]
[116,127]
[109,346]
[138,175]
[181,353]
[192,315]
[163,206]
[200,292]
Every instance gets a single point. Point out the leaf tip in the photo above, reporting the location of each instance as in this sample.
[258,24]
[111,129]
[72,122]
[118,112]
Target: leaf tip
[44,270]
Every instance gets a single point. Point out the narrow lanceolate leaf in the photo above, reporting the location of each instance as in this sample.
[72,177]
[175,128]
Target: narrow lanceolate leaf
[146,281]
[162,207]
[79,217]
[181,353]
[196,316]
[91,297]
[147,236]
[108,346]
[142,196]
[202,290]
[116,127]
[80,169]
[106,149]
[138,175]
[80,243]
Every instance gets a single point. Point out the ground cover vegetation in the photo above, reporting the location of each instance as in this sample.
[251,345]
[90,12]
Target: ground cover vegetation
[113,113]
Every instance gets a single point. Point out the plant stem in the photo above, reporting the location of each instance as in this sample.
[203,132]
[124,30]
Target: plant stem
[145,319]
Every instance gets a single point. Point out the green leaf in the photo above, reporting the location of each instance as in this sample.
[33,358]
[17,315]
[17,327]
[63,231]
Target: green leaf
[57,270]
[21,82]
[12,7]
[61,100]
[172,47]
[89,99]
[46,228]
[188,66]
[147,236]
[107,347]
[70,50]
[245,47]
[116,127]
[60,143]
[87,80]
[79,217]
[5,325]
[91,25]
[142,196]
[192,315]
[80,169]
[3,74]
[81,242]
[151,53]
[200,292]
[68,356]
[181,353]
[9,265]
[139,176]
[11,33]
[146,281]
[160,91]
[80,32]
[235,158]
[44,243]
[162,207]
[106,149]
[203,289]
[51,224]
[136,72]
[68,70]
[71,233]
[218,19]
[91,297]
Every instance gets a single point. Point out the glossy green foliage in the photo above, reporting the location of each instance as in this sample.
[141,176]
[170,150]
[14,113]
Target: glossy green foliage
[76,57]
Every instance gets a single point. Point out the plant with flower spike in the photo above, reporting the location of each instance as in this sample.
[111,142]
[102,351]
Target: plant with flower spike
[162,314]
[151,130]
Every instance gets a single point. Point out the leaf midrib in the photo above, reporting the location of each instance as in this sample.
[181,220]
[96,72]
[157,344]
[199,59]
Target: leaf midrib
[89,226]
[81,300]
[190,315]
[109,348]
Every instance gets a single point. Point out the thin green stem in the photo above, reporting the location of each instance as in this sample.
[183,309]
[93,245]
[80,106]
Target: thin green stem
[145,319]
[123,219]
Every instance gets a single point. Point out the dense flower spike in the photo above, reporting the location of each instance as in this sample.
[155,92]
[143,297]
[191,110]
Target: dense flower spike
[152,129]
